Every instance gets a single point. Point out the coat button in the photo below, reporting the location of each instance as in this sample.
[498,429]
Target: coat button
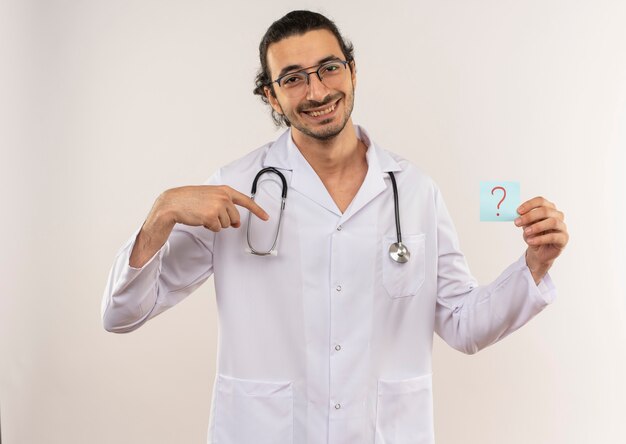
[338,288]
[339,228]
[337,347]
[337,406]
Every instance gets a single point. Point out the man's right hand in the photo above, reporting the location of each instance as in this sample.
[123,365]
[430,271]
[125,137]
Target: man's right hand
[210,206]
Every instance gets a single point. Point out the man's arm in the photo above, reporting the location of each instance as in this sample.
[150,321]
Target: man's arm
[470,317]
[210,206]
[171,255]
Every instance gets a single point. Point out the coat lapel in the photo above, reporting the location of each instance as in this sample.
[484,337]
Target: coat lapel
[379,163]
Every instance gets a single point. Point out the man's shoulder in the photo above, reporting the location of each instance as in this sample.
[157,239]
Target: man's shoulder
[246,166]
[407,169]
[258,157]
[251,159]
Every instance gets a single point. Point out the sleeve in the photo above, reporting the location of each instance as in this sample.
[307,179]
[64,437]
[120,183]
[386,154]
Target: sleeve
[470,317]
[134,295]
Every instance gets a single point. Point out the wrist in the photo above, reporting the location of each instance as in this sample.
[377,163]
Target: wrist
[159,221]
[152,236]
[537,269]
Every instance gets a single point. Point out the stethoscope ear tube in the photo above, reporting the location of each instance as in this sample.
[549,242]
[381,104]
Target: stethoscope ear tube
[272,250]
[270,170]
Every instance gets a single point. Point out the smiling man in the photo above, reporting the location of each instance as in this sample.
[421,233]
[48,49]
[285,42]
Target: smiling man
[327,309]
[320,108]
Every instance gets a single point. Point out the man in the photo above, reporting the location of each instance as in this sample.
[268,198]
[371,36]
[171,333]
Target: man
[327,340]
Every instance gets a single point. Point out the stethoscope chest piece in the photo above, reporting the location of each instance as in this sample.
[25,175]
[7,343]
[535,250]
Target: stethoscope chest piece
[399,252]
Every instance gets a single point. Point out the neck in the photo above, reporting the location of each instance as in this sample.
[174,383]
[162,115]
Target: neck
[333,156]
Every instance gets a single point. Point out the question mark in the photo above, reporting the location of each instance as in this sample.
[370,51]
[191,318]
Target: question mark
[503,197]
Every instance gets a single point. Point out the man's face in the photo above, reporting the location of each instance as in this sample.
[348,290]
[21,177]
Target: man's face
[319,112]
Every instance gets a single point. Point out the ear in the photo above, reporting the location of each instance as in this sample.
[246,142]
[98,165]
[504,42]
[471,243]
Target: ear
[353,72]
[269,93]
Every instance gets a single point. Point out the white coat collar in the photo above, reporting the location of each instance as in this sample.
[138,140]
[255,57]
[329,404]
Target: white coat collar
[284,154]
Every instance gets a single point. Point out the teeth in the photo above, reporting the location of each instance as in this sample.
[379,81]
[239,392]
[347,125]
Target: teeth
[330,109]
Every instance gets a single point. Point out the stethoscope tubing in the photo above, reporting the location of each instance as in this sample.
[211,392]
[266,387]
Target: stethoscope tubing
[280,217]
[396,206]
[397,251]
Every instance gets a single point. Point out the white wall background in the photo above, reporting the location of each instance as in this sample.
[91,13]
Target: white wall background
[104,104]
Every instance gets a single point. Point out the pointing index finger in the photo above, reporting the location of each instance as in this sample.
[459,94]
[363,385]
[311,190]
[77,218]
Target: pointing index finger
[246,202]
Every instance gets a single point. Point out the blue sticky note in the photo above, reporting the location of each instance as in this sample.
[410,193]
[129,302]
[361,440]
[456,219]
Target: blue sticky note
[499,201]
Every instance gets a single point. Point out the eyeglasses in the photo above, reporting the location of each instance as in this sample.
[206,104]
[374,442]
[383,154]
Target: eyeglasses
[294,84]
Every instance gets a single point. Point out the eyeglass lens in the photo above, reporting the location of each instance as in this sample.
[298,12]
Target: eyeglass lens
[330,74]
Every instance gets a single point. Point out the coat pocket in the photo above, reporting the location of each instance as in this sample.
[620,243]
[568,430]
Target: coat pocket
[404,414]
[249,411]
[402,280]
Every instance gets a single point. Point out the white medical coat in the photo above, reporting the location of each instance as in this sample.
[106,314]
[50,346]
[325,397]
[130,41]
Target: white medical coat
[330,340]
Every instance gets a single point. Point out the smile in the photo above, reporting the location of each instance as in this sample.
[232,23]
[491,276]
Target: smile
[322,112]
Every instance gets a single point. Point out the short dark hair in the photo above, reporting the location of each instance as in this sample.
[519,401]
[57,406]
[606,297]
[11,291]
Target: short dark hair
[294,23]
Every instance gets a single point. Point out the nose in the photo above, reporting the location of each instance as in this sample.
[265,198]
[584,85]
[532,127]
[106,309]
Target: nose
[316,89]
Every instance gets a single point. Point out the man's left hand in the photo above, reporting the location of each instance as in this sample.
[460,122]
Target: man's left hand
[544,232]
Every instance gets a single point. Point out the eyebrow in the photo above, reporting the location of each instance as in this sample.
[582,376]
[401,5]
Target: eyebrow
[290,68]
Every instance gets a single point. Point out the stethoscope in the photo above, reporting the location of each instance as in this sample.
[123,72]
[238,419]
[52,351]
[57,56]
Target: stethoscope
[397,251]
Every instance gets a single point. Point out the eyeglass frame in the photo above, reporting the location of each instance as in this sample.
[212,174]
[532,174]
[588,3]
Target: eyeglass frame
[304,71]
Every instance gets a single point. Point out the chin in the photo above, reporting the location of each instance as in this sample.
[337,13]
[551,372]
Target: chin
[327,131]
[322,134]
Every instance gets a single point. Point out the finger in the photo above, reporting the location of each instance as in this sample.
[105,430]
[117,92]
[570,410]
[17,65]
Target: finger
[233,214]
[214,225]
[538,214]
[558,240]
[537,234]
[246,202]
[549,224]
[224,218]
[535,202]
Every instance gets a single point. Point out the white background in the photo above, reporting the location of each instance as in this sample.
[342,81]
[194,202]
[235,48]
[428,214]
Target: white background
[104,104]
